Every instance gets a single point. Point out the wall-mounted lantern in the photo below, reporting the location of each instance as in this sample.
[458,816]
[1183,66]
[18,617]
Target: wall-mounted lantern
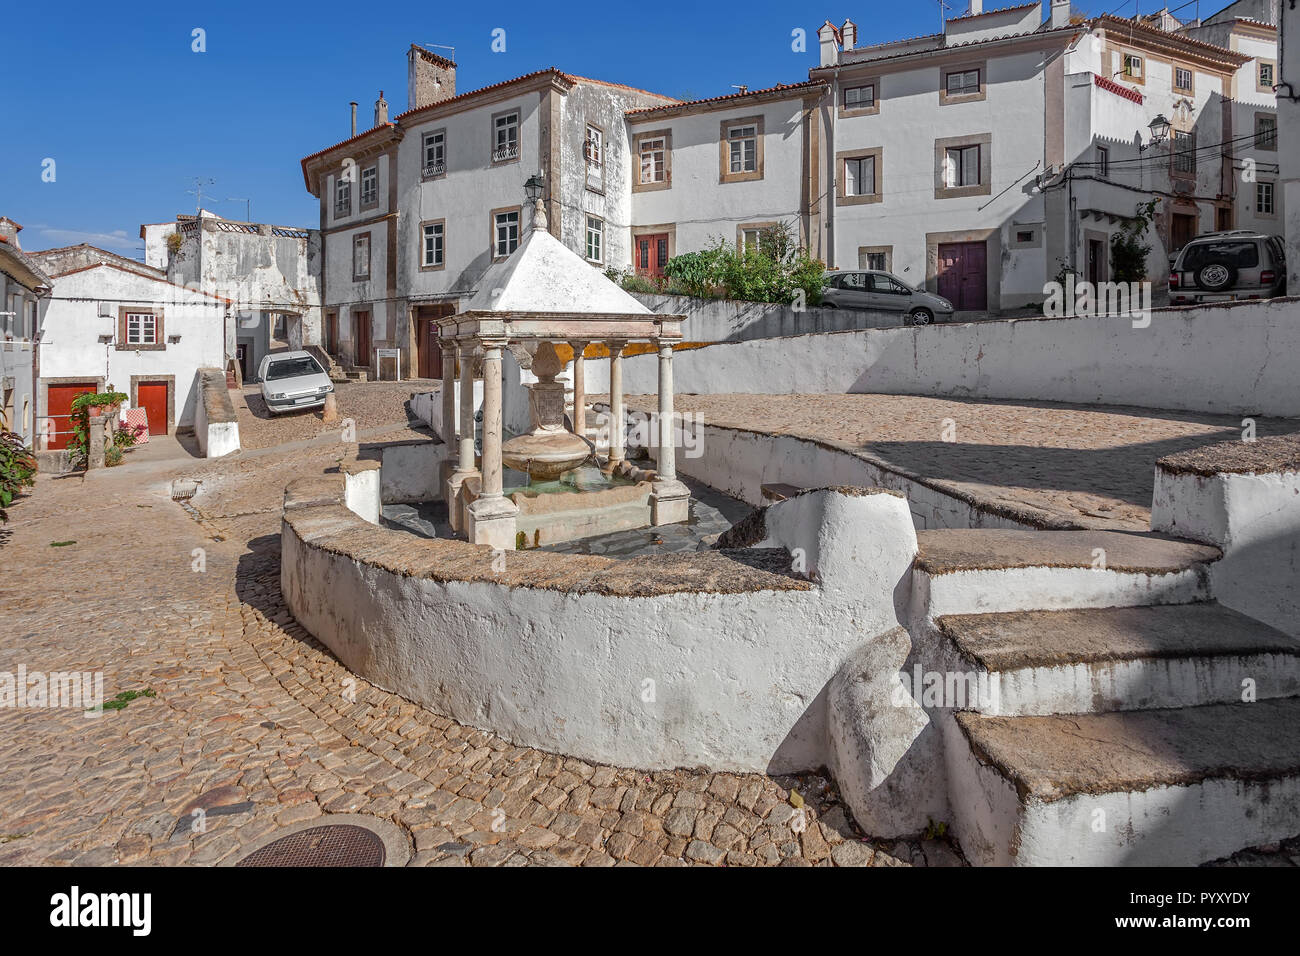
[1159,132]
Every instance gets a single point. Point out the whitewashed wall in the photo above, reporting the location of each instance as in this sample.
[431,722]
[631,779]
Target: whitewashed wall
[1222,359]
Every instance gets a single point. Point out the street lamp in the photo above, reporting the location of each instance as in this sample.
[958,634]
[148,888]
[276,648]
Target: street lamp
[1159,132]
[533,187]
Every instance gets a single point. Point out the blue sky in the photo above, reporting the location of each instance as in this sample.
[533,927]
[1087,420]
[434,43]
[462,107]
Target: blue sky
[114,94]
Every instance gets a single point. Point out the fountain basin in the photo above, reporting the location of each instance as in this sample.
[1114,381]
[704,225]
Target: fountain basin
[545,455]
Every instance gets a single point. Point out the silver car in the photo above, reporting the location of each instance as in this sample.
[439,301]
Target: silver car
[293,380]
[875,291]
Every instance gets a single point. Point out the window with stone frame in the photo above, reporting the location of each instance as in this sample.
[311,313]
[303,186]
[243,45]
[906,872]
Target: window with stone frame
[370,186]
[505,137]
[860,97]
[432,250]
[962,82]
[343,196]
[742,149]
[654,152]
[434,148]
[595,239]
[506,228]
[361,257]
[962,166]
[593,153]
[860,176]
[1265,132]
[141,328]
[1264,193]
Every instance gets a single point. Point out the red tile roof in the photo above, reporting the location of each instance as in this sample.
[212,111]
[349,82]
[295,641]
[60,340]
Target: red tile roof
[779,88]
[1119,89]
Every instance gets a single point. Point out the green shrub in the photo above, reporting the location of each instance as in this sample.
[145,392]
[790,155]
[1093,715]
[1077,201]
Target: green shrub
[775,269]
[17,470]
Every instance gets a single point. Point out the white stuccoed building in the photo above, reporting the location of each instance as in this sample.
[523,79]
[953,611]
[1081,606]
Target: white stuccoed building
[979,162]
[415,210]
[110,321]
[983,160]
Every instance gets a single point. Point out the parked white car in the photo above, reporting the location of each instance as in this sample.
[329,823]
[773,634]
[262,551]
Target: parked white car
[293,380]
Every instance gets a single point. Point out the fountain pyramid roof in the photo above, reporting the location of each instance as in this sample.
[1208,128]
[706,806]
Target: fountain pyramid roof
[545,290]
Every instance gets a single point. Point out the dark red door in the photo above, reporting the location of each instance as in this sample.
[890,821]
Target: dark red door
[152,397]
[361,337]
[963,275]
[60,411]
[651,255]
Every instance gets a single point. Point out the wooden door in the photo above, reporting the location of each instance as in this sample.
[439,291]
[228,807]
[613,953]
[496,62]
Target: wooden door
[361,338]
[963,275]
[152,397]
[1182,230]
[428,344]
[59,409]
[332,333]
[651,255]
[1096,261]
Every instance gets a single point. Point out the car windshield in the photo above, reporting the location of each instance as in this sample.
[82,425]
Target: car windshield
[1242,254]
[292,368]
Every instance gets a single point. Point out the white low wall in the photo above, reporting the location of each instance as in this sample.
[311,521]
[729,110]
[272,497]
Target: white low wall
[1255,519]
[410,471]
[701,676]
[740,462]
[1227,358]
[215,425]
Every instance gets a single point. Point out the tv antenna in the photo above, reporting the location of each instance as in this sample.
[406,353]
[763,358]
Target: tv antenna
[197,192]
[441,46]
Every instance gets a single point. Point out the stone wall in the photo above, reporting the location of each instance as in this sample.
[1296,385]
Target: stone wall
[215,425]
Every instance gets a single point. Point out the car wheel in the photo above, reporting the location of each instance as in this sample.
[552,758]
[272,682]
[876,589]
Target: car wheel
[920,317]
[1216,276]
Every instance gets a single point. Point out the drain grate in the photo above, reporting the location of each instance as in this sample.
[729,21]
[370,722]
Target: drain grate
[334,845]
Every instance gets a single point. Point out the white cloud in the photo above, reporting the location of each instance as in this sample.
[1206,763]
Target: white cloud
[118,239]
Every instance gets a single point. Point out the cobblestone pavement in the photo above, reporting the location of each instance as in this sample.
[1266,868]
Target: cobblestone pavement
[1093,465]
[255,723]
[252,721]
[368,404]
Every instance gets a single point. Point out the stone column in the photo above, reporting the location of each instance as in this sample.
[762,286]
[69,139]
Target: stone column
[667,464]
[579,389]
[671,500]
[491,420]
[491,515]
[448,435]
[448,431]
[465,453]
[465,466]
[617,435]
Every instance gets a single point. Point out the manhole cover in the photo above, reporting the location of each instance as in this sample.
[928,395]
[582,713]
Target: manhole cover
[337,845]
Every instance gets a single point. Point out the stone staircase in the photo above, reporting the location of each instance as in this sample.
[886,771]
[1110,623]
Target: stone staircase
[336,372]
[1124,717]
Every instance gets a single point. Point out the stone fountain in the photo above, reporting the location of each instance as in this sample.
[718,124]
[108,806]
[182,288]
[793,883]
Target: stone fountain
[542,294]
[548,450]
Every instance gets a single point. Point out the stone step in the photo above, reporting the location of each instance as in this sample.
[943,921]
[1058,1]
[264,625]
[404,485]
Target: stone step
[1105,659]
[987,571]
[1144,787]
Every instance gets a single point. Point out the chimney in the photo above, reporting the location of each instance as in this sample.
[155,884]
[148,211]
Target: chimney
[430,78]
[9,231]
[381,110]
[1060,14]
[354,117]
[976,7]
[830,44]
[850,34]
